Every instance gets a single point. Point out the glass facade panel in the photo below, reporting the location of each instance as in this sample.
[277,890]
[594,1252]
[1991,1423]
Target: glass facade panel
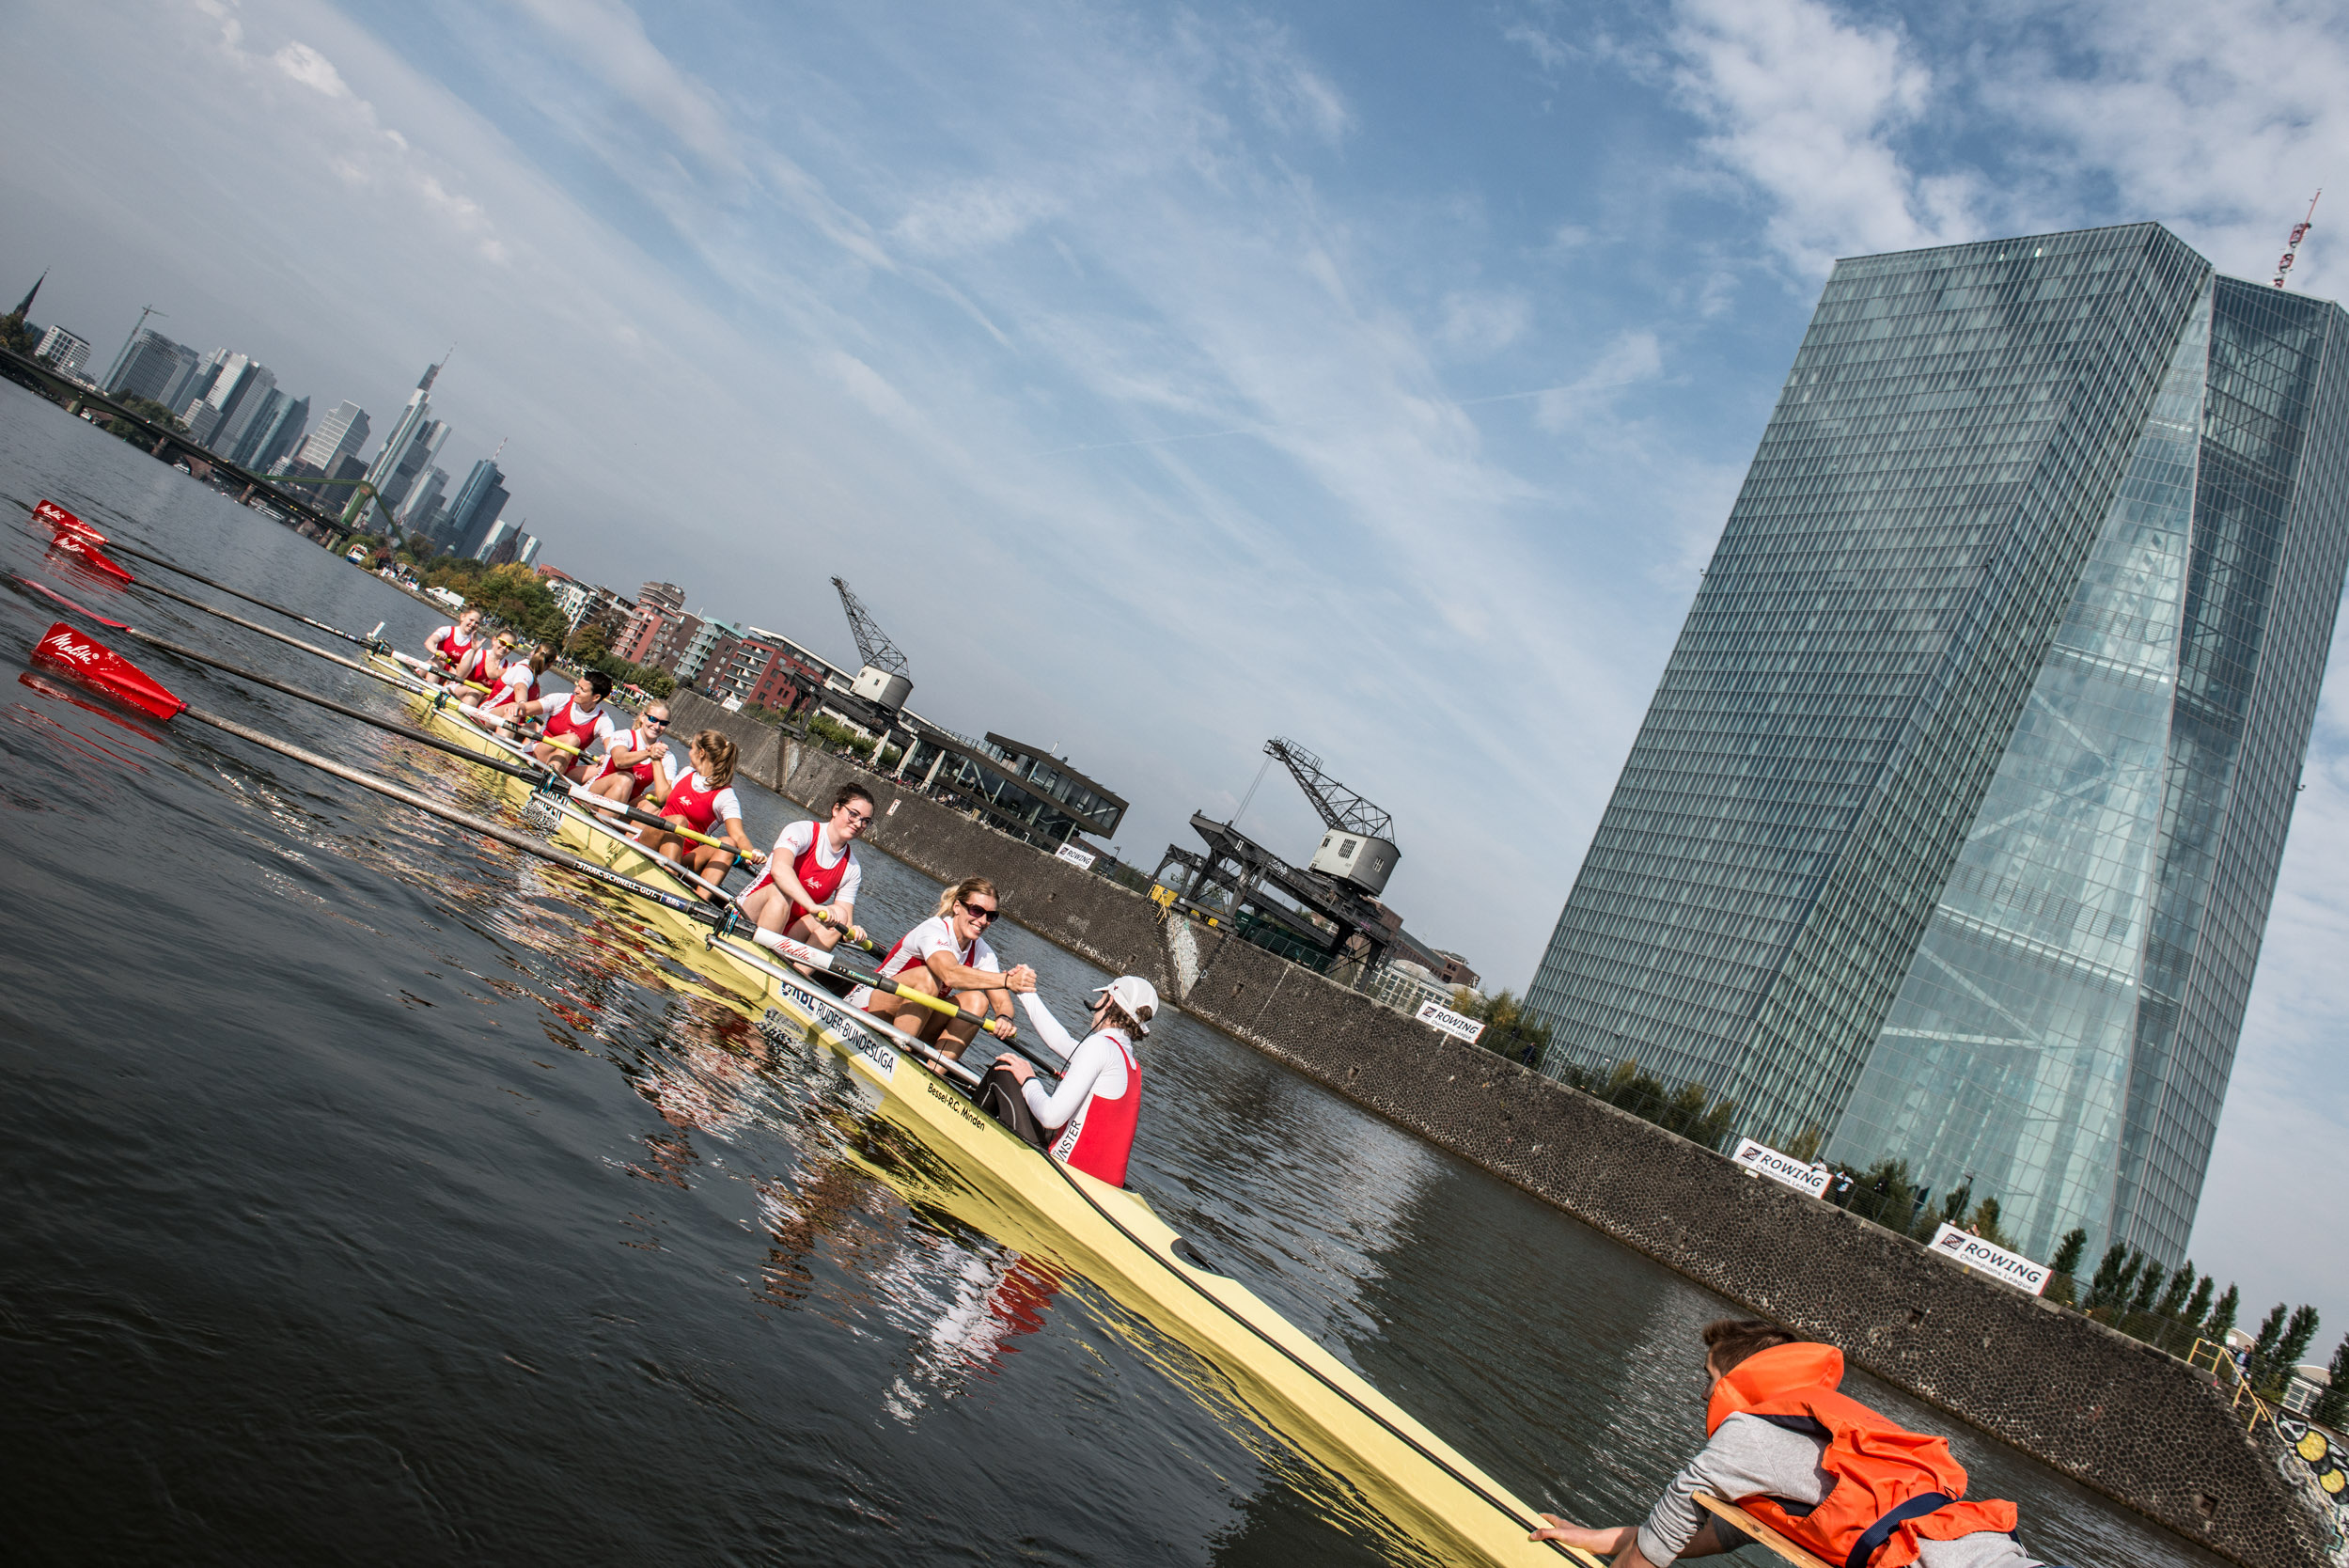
[1951,826]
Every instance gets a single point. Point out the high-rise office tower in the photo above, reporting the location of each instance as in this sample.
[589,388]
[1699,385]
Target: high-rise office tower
[239,384]
[149,366]
[1952,830]
[340,435]
[273,433]
[476,509]
[409,450]
[63,348]
[423,499]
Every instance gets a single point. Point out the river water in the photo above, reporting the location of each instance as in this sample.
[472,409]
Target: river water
[377,1194]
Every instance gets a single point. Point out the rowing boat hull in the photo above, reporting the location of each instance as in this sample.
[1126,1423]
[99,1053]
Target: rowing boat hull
[1009,1190]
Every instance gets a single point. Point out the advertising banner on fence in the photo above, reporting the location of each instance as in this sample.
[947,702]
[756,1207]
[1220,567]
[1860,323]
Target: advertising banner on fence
[1762,1159]
[1081,859]
[1982,1258]
[1449,1022]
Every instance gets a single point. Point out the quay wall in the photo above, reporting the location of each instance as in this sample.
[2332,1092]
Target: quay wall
[2107,1410]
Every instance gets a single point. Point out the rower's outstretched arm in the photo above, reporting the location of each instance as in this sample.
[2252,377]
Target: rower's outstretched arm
[1048,1028]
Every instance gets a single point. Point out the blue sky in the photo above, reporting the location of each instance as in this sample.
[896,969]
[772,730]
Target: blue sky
[1165,380]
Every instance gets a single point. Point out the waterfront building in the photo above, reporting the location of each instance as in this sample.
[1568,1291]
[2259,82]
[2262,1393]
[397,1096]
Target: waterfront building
[339,435]
[65,351]
[1021,790]
[423,500]
[700,647]
[150,366]
[1952,830]
[528,553]
[767,669]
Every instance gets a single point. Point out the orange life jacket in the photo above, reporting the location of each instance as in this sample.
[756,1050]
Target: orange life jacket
[1889,1487]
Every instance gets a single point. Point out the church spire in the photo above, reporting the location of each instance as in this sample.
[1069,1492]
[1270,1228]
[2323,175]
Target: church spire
[28,304]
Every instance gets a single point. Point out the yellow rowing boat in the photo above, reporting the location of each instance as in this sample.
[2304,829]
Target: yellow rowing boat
[999,1184]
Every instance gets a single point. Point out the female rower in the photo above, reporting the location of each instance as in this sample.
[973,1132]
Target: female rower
[634,761]
[579,726]
[452,644]
[1088,1121]
[517,693]
[808,890]
[700,800]
[946,956]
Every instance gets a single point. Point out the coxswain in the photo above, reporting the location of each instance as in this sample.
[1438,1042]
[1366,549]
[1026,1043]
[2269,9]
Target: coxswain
[451,646]
[1087,1119]
[580,725]
[808,890]
[701,798]
[1821,1468]
[946,956]
[516,696]
[633,759]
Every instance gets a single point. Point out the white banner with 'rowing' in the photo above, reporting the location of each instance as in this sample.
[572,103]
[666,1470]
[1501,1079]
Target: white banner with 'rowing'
[1962,1246]
[1449,1022]
[1762,1160]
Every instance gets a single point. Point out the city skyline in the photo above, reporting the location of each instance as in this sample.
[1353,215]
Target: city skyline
[1419,360]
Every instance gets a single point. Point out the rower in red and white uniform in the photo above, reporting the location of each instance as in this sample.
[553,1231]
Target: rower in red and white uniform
[633,759]
[808,890]
[1089,1119]
[947,957]
[581,722]
[451,646]
[516,695]
[702,799]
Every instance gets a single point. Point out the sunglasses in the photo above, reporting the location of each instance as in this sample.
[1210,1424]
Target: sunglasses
[982,916]
[658,723]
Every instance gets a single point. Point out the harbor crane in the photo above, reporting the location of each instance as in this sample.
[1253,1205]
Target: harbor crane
[882,681]
[1360,846]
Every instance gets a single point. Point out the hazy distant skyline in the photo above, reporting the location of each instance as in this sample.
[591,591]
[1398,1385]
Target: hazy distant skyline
[1375,376]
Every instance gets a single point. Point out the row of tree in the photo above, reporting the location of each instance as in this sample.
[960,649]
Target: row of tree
[1690,1110]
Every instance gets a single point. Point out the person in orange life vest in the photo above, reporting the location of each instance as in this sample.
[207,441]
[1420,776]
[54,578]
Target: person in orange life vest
[1822,1469]
[634,761]
[516,695]
[812,869]
[451,646]
[1088,1122]
[701,798]
[580,720]
[948,956]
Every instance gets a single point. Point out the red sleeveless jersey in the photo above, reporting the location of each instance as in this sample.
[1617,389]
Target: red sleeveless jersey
[1099,1138]
[564,724]
[696,807]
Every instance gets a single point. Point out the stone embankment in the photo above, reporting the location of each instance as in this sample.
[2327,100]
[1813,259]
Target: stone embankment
[2110,1411]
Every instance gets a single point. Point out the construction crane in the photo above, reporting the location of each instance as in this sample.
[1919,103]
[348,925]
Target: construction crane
[882,681]
[872,644]
[2299,232]
[1340,806]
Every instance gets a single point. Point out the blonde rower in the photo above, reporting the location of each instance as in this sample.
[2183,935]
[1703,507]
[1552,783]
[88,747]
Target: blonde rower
[701,799]
[948,956]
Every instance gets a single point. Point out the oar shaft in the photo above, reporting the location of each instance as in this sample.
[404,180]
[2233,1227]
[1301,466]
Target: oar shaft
[117,547]
[235,620]
[466,820]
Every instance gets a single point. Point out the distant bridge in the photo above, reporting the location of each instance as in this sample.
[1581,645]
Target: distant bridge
[176,446]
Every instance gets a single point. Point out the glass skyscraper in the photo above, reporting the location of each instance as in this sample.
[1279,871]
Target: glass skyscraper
[1952,828]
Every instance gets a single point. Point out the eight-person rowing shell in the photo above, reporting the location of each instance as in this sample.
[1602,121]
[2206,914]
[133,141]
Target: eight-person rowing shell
[947,957]
[808,890]
[579,723]
[1087,1119]
[701,798]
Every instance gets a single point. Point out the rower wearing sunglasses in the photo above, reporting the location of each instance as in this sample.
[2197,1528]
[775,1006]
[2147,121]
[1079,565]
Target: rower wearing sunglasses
[633,759]
[946,956]
[808,890]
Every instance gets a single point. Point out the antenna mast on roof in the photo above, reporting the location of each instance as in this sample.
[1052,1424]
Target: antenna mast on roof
[2299,232]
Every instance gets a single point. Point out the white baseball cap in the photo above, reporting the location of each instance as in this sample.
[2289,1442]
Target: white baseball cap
[1136,996]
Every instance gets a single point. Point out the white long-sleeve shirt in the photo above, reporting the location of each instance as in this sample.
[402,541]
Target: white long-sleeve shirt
[1096,1066]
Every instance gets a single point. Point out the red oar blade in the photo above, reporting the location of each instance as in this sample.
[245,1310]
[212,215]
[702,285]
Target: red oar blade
[54,597]
[64,522]
[82,550]
[102,669]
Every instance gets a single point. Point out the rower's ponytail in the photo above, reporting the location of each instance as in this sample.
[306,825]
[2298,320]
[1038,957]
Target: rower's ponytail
[540,657]
[970,886]
[720,751]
